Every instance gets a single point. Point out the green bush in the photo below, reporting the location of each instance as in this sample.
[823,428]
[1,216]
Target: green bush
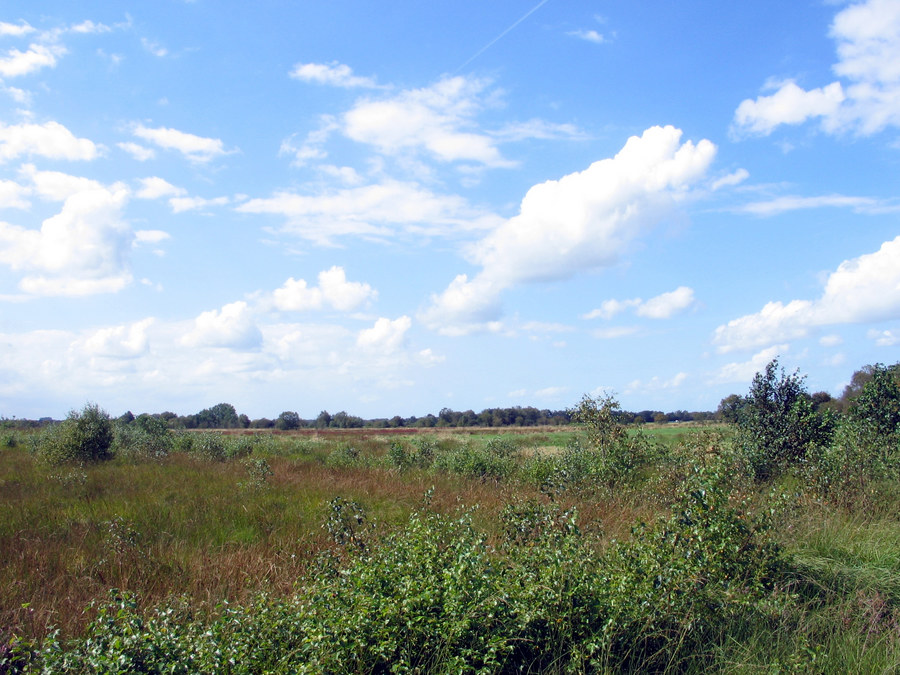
[85,436]
[209,446]
[8,438]
[614,455]
[491,461]
[677,584]
[778,426]
[345,456]
[867,443]
[145,437]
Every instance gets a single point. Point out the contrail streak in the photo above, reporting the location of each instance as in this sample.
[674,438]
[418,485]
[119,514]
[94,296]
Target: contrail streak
[496,39]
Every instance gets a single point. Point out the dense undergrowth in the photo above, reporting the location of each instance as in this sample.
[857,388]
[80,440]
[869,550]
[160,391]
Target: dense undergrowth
[728,550]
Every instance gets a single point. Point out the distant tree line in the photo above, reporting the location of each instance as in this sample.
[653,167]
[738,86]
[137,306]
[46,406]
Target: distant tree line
[224,415]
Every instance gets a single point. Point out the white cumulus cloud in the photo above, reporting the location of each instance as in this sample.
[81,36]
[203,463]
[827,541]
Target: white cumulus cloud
[334,289]
[15,29]
[583,221]
[181,204]
[232,327]
[790,104]
[884,338]
[156,187]
[51,140]
[667,305]
[663,306]
[150,236]
[743,371]
[868,98]
[385,336]
[139,152]
[81,250]
[13,195]
[588,36]
[121,342]
[15,63]
[861,290]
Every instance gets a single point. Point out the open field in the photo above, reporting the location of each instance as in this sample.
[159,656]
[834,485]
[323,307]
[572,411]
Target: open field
[186,525]
[338,551]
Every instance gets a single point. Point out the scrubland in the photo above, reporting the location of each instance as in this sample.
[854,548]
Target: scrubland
[595,548]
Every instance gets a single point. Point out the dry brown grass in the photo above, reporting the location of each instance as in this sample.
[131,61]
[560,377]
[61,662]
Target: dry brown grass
[184,527]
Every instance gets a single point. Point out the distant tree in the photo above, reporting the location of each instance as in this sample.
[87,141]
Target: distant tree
[729,408]
[220,416]
[170,418]
[323,421]
[287,420]
[262,423]
[343,420]
[858,382]
[127,418]
[821,398]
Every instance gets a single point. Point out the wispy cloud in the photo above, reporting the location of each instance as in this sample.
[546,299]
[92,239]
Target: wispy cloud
[333,74]
[195,148]
[788,203]
[588,36]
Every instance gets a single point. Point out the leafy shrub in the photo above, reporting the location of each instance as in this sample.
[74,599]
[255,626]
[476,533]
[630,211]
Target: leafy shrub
[239,447]
[424,451]
[574,467]
[399,457]
[867,443]
[183,441]
[485,462]
[346,523]
[614,455]
[677,583]
[344,456]
[209,446]
[85,436]
[146,437]
[258,470]
[778,425]
[877,409]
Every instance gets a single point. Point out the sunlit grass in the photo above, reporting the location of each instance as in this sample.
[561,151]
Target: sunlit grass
[207,532]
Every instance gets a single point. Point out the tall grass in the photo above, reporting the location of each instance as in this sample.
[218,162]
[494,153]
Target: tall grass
[491,553]
[182,525]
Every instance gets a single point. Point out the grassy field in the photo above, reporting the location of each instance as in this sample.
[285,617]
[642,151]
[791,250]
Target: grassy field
[440,551]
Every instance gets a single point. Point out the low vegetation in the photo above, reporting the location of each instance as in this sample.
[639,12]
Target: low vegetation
[770,544]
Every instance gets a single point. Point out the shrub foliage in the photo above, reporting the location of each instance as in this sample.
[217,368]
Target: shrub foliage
[85,436]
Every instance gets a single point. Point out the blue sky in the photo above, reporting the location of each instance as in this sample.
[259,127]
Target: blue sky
[389,208]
